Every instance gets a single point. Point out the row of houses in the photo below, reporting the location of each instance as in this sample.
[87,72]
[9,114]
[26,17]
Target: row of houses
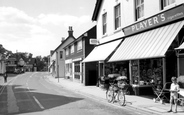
[19,65]
[140,39]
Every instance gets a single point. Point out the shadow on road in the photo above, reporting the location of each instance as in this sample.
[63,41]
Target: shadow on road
[22,100]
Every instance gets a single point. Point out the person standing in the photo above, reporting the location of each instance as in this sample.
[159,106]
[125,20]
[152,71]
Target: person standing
[5,77]
[174,89]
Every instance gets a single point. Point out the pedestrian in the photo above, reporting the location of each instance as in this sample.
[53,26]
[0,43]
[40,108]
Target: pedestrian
[174,89]
[5,77]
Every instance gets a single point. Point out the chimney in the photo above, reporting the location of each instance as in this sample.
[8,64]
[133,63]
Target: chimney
[70,31]
[62,39]
[51,52]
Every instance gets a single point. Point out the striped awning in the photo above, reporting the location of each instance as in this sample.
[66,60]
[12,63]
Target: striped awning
[180,47]
[150,44]
[101,52]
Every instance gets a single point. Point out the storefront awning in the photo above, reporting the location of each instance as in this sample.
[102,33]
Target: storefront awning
[101,52]
[180,47]
[52,63]
[150,44]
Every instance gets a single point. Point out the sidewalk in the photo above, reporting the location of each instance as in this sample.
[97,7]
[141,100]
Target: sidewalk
[136,102]
[3,84]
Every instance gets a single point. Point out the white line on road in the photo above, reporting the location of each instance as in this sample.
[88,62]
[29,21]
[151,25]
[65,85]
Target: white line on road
[40,105]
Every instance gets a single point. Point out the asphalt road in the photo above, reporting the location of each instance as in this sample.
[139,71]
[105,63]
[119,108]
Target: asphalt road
[31,94]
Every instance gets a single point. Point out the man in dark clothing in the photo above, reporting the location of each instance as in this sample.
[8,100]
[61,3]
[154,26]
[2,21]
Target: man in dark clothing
[5,77]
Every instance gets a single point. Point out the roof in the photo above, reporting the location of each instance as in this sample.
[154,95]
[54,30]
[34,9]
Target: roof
[80,37]
[63,43]
[96,10]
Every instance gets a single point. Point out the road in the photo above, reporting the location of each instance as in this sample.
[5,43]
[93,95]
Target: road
[31,94]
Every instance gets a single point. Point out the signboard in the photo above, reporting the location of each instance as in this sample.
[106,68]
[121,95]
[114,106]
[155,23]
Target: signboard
[156,20]
[93,41]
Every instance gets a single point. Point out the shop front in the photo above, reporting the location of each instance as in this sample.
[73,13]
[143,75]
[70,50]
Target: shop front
[100,54]
[149,49]
[68,69]
[77,69]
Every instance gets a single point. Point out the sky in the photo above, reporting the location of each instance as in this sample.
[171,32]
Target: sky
[37,26]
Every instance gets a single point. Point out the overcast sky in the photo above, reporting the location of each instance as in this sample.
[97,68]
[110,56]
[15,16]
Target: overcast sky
[37,26]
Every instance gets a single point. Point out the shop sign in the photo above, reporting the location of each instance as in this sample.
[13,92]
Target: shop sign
[156,20]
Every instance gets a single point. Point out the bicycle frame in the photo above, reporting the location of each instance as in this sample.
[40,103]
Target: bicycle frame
[114,93]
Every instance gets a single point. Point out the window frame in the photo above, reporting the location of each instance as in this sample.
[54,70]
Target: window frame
[117,16]
[139,9]
[79,46]
[104,23]
[61,54]
[72,49]
[67,52]
[166,3]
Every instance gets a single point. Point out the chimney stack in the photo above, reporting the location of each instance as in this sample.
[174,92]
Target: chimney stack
[62,39]
[70,31]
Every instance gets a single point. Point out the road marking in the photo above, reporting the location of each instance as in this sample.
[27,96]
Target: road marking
[40,105]
[12,102]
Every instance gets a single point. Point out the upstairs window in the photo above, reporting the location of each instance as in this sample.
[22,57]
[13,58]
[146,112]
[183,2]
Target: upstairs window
[72,49]
[117,16]
[79,45]
[67,52]
[139,7]
[165,3]
[61,54]
[104,23]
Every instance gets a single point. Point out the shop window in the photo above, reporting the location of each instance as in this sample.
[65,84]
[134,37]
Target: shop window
[135,72]
[147,72]
[139,9]
[77,70]
[151,71]
[117,14]
[104,23]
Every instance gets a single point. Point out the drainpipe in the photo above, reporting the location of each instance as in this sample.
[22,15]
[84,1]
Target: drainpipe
[178,63]
[57,69]
[164,70]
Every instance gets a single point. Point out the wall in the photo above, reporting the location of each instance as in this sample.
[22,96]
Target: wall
[151,7]
[61,62]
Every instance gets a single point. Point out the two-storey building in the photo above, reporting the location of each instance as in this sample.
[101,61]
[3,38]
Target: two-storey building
[57,57]
[76,51]
[149,35]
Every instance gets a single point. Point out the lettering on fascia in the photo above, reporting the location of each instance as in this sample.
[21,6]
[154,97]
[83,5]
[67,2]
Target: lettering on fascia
[149,22]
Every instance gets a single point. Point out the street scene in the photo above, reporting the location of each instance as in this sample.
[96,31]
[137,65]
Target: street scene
[95,57]
[33,93]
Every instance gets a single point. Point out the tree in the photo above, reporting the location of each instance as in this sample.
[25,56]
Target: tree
[4,52]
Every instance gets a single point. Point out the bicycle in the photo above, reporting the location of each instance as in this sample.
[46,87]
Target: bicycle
[116,92]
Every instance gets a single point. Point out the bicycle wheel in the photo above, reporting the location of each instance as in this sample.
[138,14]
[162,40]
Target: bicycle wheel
[109,95]
[121,98]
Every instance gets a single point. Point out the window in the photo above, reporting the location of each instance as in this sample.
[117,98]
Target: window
[61,54]
[67,52]
[104,23]
[117,14]
[139,7]
[79,45]
[165,3]
[72,49]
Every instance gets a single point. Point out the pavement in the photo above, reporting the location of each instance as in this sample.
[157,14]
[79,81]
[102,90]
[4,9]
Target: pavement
[132,101]
[3,84]
[137,102]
